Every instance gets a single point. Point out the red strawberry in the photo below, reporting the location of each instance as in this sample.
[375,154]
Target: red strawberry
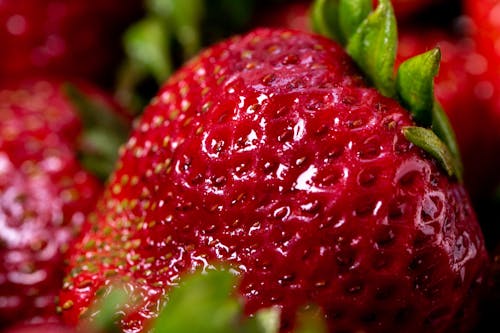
[78,38]
[45,194]
[270,152]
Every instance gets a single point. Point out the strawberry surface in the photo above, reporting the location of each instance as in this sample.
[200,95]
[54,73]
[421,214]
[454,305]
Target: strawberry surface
[45,194]
[78,38]
[270,153]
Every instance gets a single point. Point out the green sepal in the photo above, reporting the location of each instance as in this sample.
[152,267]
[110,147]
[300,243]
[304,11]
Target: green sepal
[324,19]
[351,13]
[104,131]
[266,320]
[201,304]
[147,43]
[428,140]
[415,85]
[183,18]
[373,47]
[310,320]
[107,311]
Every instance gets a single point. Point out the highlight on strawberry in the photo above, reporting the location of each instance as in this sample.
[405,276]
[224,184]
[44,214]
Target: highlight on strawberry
[320,176]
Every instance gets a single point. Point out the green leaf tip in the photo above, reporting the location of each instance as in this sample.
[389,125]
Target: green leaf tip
[339,19]
[415,85]
[428,140]
[324,14]
[373,47]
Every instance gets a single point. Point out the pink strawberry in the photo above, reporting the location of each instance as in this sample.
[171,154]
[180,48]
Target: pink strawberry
[45,193]
[271,153]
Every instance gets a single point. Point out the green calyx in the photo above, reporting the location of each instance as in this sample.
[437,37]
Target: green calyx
[370,38]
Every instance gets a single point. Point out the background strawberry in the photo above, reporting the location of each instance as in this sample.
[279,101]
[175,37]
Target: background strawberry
[72,38]
[459,88]
[45,193]
[271,153]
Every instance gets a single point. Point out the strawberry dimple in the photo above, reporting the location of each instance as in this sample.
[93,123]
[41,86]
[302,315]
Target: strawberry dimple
[298,176]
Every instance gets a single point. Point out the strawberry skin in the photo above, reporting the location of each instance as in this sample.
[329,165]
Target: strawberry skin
[269,152]
[45,194]
[77,38]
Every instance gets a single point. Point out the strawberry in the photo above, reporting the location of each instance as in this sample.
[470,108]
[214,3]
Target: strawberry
[45,193]
[274,154]
[78,38]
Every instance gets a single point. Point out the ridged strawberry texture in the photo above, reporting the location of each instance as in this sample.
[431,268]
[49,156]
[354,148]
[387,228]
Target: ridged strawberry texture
[69,37]
[44,196]
[270,153]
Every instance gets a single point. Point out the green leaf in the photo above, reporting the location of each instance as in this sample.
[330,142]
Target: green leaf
[104,131]
[310,321]
[324,19]
[201,304]
[373,47]
[147,43]
[415,85]
[264,321]
[351,13]
[183,18]
[106,314]
[432,144]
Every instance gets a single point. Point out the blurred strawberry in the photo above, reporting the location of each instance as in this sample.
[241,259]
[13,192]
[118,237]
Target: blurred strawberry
[292,14]
[460,91]
[70,37]
[45,193]
[40,328]
[406,8]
